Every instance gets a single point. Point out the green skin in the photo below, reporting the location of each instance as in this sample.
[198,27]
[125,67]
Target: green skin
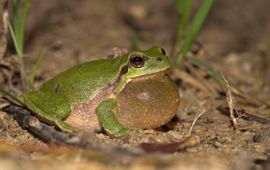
[80,84]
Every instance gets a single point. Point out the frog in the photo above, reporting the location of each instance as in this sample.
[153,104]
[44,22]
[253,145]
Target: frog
[117,94]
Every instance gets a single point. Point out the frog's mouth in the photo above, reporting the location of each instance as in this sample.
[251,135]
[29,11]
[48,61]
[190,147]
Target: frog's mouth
[161,74]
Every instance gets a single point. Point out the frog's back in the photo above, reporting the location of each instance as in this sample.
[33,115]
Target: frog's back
[82,82]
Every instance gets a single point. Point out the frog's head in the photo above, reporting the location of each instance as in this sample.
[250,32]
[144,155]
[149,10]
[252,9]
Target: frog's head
[151,61]
[142,64]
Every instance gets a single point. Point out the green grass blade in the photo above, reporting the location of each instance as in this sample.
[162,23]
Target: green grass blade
[17,30]
[15,7]
[185,14]
[36,67]
[19,22]
[194,29]
[184,8]
[15,41]
[15,2]
[23,19]
[19,53]
[15,21]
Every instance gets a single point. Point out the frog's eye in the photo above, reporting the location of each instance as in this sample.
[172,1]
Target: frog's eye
[163,51]
[137,61]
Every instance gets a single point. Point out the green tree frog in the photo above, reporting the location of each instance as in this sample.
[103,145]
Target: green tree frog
[116,94]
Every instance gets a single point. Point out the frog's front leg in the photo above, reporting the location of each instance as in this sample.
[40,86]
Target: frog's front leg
[49,107]
[106,112]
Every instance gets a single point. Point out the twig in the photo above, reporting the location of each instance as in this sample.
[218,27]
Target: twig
[244,115]
[188,142]
[230,102]
[50,135]
[194,121]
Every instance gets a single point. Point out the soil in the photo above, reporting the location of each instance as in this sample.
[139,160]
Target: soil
[235,40]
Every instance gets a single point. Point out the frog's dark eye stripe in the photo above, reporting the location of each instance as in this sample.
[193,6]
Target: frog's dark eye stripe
[163,51]
[137,61]
[124,69]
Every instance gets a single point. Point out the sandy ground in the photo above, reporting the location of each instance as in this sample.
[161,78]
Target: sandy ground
[235,41]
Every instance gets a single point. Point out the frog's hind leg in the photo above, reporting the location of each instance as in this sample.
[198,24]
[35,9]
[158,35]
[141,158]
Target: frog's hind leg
[49,107]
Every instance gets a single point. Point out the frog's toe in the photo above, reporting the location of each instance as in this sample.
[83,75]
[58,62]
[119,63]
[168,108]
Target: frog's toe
[65,127]
[122,132]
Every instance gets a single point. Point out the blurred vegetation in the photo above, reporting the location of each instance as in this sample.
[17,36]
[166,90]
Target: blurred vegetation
[185,33]
[17,28]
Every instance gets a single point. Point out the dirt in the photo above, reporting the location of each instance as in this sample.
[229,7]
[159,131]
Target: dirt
[235,41]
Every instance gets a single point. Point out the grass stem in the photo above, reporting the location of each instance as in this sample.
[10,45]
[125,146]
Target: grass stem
[193,31]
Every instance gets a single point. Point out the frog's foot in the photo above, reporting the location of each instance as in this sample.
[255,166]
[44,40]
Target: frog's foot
[121,132]
[64,126]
